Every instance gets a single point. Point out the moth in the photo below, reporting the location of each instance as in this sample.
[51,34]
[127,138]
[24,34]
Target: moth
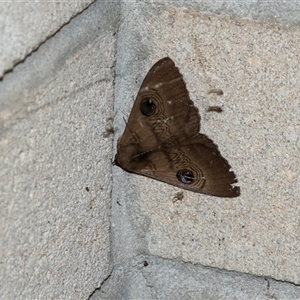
[161,139]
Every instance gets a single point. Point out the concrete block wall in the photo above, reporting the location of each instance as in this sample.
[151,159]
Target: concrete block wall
[73,226]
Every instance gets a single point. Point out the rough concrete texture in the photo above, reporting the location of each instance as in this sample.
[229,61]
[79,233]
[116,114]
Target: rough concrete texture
[26,24]
[56,163]
[73,227]
[145,277]
[257,66]
[275,12]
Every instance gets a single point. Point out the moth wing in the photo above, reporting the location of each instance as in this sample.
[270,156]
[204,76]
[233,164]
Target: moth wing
[163,141]
[175,114]
[211,172]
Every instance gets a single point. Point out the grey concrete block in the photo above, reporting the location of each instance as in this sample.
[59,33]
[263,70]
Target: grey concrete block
[256,65]
[155,278]
[59,238]
[25,25]
[56,163]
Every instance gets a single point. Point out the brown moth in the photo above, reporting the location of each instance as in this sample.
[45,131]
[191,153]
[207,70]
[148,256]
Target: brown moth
[161,139]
